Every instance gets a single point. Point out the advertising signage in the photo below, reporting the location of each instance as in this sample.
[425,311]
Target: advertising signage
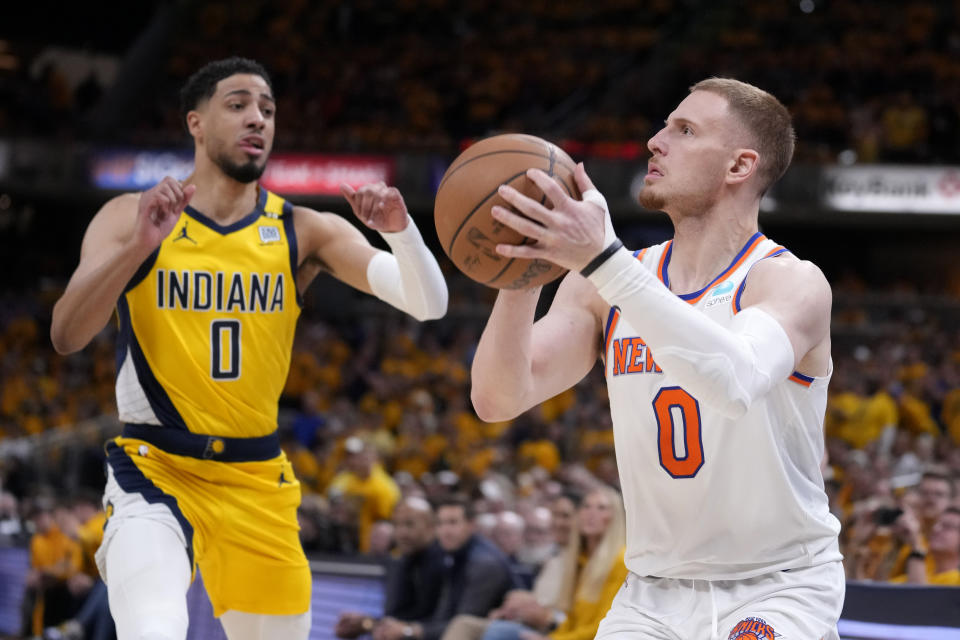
[138,170]
[315,174]
[287,173]
[893,189]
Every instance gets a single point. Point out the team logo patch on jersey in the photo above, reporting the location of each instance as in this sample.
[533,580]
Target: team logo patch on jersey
[269,234]
[753,629]
[183,235]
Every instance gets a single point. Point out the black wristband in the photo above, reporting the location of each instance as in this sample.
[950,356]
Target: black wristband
[919,555]
[594,264]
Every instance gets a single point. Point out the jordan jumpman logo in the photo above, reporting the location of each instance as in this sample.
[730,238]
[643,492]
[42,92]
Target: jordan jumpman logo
[183,234]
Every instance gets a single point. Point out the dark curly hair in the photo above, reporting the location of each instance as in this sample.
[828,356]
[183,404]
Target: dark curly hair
[203,83]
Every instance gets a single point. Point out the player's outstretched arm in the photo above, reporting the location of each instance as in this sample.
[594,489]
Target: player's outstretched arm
[123,234]
[409,278]
[519,363]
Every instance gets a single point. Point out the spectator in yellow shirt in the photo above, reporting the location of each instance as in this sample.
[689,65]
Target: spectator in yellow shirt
[89,533]
[935,493]
[367,486]
[943,547]
[54,559]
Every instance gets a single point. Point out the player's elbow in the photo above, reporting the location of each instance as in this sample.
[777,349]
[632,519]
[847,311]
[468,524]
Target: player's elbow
[491,407]
[433,310]
[64,336]
[63,343]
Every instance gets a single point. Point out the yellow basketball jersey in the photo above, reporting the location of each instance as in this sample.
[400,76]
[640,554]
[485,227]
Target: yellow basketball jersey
[207,324]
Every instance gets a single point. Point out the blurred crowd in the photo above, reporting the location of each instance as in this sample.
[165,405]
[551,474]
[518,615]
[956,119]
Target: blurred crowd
[376,416]
[866,80]
[393,462]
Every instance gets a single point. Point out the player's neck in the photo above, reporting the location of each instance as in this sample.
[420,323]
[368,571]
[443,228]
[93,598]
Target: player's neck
[703,246]
[221,198]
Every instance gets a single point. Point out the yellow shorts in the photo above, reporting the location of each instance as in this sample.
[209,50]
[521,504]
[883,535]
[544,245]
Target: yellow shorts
[238,518]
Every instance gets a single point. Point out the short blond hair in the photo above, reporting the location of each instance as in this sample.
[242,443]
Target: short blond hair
[764,117]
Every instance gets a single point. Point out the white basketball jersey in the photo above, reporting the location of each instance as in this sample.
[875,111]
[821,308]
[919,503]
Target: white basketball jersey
[709,497]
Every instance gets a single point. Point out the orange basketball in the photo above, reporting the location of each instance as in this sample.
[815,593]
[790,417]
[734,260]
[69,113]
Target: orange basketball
[468,190]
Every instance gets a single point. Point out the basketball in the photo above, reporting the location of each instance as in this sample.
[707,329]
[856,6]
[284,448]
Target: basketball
[469,234]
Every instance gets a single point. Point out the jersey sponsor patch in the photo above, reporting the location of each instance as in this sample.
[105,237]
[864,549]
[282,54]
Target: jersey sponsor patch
[269,234]
[722,288]
[753,629]
[721,293]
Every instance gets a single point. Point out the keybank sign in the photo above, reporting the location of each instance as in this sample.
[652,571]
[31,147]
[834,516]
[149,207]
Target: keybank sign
[892,189]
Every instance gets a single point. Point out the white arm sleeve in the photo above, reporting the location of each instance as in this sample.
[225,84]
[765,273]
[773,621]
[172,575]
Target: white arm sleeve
[409,278]
[727,369]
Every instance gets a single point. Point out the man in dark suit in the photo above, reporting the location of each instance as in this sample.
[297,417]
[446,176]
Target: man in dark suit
[414,578]
[476,576]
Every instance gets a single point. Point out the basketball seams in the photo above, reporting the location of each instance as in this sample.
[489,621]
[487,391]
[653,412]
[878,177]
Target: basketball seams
[469,197]
[548,157]
[466,218]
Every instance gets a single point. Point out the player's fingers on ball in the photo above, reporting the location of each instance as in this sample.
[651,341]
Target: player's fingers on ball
[528,206]
[523,251]
[517,222]
[548,185]
[584,183]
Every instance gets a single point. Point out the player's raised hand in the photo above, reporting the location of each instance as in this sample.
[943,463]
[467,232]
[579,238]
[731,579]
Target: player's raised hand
[378,206]
[571,234]
[159,210]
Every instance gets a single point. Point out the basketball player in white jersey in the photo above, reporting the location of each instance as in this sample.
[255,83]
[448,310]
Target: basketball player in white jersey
[716,352]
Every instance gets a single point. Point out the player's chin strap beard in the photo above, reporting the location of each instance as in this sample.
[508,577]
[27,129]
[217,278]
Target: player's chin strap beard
[243,173]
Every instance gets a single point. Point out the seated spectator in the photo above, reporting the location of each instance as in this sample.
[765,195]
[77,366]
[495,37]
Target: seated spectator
[327,525]
[935,494]
[593,574]
[548,587]
[508,536]
[93,621]
[381,539]
[538,538]
[11,528]
[476,575]
[365,484]
[484,524]
[413,578]
[55,558]
[943,549]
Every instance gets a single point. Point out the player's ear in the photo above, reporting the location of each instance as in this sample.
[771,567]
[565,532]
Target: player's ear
[194,125]
[743,166]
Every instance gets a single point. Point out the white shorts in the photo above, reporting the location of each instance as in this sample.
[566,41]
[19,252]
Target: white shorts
[122,506]
[799,604]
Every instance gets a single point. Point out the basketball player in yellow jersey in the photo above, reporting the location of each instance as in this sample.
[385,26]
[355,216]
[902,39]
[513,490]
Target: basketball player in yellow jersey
[206,277]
